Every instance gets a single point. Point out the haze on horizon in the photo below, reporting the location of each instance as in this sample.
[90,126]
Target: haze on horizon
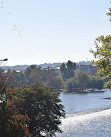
[37,32]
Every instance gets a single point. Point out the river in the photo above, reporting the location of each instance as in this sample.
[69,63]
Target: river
[87,115]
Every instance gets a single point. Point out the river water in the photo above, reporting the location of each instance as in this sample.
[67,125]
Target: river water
[87,115]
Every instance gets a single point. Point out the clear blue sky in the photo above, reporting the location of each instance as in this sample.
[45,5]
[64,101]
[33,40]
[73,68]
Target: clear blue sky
[46,31]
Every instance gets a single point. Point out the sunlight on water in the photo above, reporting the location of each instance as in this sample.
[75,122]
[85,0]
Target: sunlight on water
[94,124]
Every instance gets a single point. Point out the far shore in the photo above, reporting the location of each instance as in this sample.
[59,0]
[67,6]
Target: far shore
[107,98]
[85,92]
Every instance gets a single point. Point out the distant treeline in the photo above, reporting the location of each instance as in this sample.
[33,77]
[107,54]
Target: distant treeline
[70,77]
[33,74]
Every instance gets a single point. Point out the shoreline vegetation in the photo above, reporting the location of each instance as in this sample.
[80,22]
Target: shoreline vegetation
[68,77]
[107,98]
[85,92]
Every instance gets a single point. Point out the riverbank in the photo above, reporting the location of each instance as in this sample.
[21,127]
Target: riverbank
[84,92]
[108,98]
[91,91]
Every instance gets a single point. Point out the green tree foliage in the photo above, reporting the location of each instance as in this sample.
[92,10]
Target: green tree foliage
[33,74]
[52,80]
[70,69]
[82,79]
[95,83]
[67,70]
[63,70]
[103,57]
[70,85]
[43,108]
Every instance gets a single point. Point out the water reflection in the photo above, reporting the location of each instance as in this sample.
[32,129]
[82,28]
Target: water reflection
[82,102]
[88,115]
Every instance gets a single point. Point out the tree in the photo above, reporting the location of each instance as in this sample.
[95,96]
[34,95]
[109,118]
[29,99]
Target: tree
[70,69]
[43,108]
[95,82]
[16,78]
[67,70]
[34,74]
[63,70]
[70,85]
[52,80]
[103,56]
[99,83]
[82,79]
[12,123]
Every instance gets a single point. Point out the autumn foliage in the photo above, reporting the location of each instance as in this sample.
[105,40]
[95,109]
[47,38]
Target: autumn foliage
[12,124]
